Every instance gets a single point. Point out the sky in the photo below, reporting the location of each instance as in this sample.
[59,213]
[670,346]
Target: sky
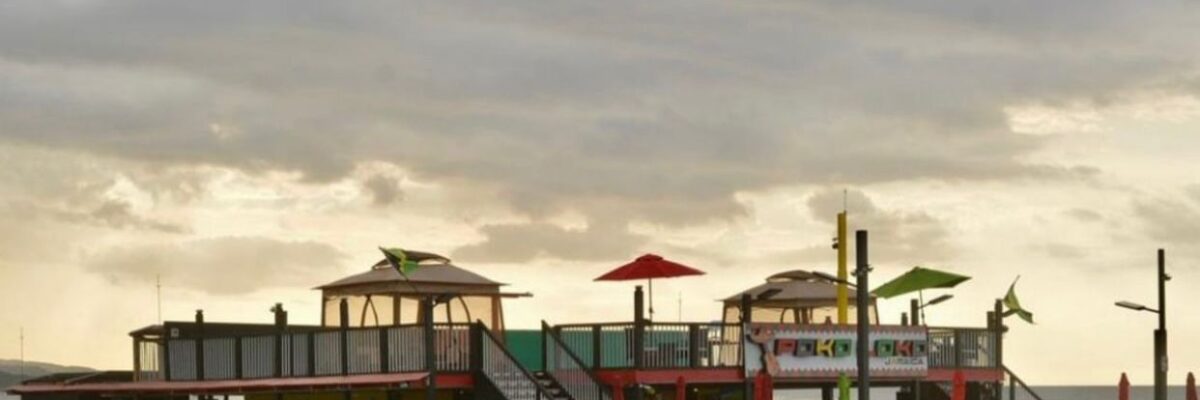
[245,152]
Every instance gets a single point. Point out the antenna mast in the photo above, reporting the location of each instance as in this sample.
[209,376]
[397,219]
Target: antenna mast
[158,295]
[22,335]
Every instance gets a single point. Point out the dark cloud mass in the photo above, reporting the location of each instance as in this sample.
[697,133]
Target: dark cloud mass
[656,112]
[1173,222]
[226,265]
[384,190]
[897,236]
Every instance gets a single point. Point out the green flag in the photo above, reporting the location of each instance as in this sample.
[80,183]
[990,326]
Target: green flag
[1014,305]
[399,260]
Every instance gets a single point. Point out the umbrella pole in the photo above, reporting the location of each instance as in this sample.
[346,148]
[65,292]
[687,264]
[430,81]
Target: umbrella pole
[921,295]
[650,283]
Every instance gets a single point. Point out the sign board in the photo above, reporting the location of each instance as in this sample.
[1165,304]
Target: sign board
[826,351]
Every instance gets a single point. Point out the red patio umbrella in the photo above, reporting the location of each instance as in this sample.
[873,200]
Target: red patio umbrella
[648,267]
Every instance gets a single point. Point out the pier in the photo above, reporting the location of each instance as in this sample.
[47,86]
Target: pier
[440,335]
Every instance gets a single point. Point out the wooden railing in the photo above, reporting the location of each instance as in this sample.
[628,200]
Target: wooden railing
[314,352]
[571,373]
[1014,381]
[662,345]
[959,348]
[718,345]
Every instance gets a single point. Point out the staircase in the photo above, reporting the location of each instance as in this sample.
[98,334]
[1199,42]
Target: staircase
[498,374]
[554,391]
[566,372]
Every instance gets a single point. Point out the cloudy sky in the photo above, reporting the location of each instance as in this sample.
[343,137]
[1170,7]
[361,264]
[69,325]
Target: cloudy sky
[247,151]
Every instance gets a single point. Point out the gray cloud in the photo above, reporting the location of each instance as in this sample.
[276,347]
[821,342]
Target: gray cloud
[1060,251]
[516,243]
[905,237]
[385,190]
[226,265]
[1171,222]
[119,214]
[1083,215]
[656,112]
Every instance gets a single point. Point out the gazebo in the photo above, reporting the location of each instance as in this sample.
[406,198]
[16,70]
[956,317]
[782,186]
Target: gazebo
[795,297]
[382,296]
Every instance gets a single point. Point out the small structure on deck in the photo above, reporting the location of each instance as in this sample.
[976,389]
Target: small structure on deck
[382,296]
[793,297]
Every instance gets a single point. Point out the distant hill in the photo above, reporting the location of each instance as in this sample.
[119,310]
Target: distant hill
[10,371]
[7,379]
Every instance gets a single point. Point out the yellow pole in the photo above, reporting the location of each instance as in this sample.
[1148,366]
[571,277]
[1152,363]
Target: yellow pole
[843,292]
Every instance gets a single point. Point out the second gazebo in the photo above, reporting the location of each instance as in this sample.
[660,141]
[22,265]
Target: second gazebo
[794,297]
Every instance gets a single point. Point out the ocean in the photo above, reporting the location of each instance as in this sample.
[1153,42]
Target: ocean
[1047,393]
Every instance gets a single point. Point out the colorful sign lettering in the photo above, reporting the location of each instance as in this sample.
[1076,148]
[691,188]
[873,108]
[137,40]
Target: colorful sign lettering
[826,351]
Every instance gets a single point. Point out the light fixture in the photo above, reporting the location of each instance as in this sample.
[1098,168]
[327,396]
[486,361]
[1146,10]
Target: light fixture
[939,299]
[1134,306]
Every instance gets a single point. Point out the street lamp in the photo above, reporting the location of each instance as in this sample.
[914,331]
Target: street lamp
[862,271]
[1160,334]
[1134,306]
[863,304]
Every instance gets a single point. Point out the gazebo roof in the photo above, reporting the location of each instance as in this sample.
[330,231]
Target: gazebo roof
[435,275]
[795,288]
[445,273]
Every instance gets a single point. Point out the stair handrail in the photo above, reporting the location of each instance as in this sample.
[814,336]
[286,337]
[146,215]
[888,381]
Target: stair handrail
[1013,379]
[550,334]
[486,334]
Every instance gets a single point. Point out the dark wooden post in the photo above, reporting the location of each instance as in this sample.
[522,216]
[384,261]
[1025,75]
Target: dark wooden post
[166,352]
[958,348]
[237,357]
[639,328]
[384,347]
[863,322]
[137,358]
[199,345]
[280,331]
[747,315]
[693,346]
[998,317]
[904,319]
[545,345]
[430,347]
[476,335]
[344,324]
[914,312]
[312,353]
[997,326]
[597,348]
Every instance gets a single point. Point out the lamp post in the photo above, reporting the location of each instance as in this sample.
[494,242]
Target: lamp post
[862,308]
[1160,334]
[864,319]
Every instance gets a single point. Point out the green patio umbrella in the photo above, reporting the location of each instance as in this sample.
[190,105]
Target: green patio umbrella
[917,280]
